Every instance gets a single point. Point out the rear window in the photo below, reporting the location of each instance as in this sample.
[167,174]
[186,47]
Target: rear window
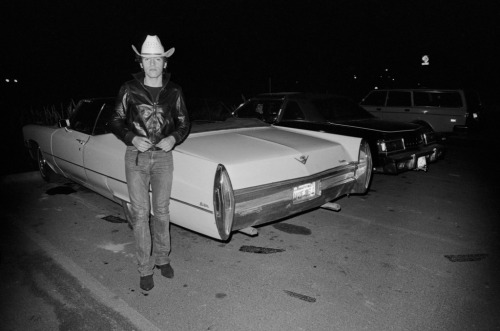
[437,99]
[375,98]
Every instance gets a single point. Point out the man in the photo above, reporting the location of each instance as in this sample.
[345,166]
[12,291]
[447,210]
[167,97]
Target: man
[150,117]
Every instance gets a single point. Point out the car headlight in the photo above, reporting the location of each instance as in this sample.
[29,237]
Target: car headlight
[223,202]
[388,146]
[429,137]
[364,169]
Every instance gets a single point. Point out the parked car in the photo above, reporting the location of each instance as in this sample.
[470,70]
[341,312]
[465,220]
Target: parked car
[229,175]
[395,147]
[443,110]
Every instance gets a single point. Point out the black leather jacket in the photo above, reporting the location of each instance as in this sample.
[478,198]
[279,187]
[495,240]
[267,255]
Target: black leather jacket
[136,114]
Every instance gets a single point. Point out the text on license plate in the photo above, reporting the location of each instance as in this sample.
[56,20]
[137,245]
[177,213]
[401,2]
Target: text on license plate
[304,192]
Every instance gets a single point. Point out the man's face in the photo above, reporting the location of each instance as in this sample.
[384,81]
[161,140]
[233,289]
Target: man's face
[153,66]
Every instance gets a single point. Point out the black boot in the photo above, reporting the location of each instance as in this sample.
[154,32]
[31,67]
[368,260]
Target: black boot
[166,270]
[147,283]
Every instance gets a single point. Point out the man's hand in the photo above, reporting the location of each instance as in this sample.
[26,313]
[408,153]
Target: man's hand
[141,143]
[166,143]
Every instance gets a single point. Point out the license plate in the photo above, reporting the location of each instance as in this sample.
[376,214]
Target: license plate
[421,162]
[304,192]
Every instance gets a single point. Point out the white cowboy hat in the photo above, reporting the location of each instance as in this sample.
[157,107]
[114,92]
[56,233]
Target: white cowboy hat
[152,47]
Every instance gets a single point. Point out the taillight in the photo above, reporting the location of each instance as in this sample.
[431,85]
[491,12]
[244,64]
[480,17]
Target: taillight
[223,202]
[364,169]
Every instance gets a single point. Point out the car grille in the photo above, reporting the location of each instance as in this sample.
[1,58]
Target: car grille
[413,141]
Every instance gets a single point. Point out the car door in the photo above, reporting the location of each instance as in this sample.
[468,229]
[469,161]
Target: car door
[443,110]
[104,156]
[68,144]
[374,102]
[398,107]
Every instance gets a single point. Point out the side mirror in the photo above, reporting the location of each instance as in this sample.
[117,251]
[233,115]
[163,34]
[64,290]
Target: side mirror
[63,123]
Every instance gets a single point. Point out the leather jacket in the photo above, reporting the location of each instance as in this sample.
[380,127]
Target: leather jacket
[137,114]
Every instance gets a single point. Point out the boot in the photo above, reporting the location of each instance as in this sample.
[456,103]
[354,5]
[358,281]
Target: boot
[147,282]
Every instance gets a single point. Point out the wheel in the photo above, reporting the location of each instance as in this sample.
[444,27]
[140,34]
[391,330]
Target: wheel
[45,170]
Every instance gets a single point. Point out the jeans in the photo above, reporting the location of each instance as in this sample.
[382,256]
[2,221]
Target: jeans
[153,168]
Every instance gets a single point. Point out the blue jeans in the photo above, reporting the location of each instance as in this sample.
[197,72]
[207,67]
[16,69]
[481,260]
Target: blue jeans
[153,168]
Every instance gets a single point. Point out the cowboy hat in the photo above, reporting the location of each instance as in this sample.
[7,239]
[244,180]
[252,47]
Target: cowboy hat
[152,47]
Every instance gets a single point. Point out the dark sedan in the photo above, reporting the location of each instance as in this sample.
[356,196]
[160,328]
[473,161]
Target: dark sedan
[399,146]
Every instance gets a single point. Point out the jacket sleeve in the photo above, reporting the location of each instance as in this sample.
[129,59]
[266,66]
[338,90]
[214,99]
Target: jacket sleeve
[117,122]
[181,118]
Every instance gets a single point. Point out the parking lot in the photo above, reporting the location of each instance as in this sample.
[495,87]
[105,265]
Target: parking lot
[418,252]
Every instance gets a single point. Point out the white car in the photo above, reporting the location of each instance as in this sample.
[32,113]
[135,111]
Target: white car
[442,110]
[228,176]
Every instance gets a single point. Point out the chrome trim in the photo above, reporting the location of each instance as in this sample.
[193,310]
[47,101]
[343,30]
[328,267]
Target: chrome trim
[269,202]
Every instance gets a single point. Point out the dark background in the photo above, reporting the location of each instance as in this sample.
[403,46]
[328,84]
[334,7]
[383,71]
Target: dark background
[59,50]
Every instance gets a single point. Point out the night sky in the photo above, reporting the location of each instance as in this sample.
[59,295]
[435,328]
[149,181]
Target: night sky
[60,50]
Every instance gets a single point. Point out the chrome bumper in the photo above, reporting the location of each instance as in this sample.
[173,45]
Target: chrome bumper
[267,203]
[397,163]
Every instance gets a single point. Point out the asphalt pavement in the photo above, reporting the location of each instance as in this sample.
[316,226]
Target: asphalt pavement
[418,252]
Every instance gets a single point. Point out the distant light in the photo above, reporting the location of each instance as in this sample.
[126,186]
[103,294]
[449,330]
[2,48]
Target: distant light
[7,80]
[355,77]
[386,69]
[393,79]
[15,80]
[375,88]
[425,60]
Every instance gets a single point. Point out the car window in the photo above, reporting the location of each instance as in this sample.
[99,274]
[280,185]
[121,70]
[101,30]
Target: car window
[101,126]
[424,99]
[266,110]
[438,99]
[449,99]
[375,98]
[84,119]
[399,99]
[292,111]
[338,108]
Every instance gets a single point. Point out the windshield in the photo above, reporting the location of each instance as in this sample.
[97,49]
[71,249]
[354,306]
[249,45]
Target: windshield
[265,110]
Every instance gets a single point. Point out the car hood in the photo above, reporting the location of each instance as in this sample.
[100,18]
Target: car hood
[374,124]
[265,155]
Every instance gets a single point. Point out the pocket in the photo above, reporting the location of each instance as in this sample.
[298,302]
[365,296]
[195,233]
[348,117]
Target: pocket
[131,153]
[166,159]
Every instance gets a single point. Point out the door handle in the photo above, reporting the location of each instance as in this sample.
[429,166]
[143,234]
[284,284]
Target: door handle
[82,142]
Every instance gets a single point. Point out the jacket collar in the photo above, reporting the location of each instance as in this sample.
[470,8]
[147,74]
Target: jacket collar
[139,76]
